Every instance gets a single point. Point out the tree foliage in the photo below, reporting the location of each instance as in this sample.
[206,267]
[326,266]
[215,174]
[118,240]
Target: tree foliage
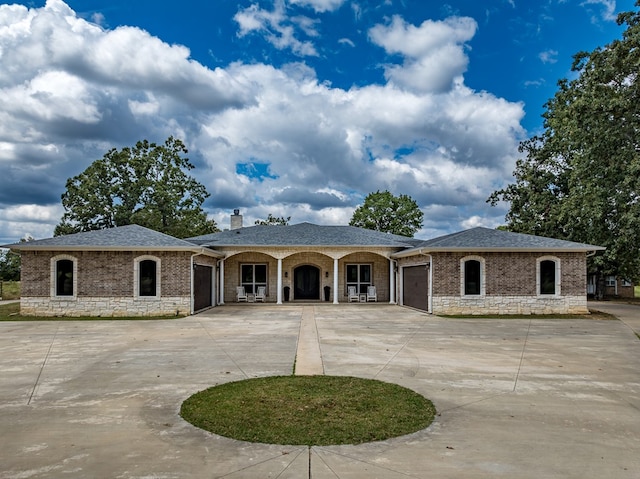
[9,266]
[274,221]
[382,211]
[146,185]
[580,179]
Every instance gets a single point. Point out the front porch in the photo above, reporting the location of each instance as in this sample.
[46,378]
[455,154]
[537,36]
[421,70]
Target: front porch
[301,277]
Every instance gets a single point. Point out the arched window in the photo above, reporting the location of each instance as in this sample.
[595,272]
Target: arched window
[64,276]
[472,276]
[147,276]
[548,276]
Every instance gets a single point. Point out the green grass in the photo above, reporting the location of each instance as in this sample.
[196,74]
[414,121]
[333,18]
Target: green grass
[10,290]
[309,410]
[636,291]
[11,312]
[593,315]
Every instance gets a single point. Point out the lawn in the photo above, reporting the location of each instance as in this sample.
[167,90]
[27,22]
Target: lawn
[10,289]
[309,410]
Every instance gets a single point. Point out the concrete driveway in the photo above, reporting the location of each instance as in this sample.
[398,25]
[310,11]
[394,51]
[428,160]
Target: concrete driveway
[516,398]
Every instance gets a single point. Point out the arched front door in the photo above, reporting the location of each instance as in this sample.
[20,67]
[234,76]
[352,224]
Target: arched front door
[306,282]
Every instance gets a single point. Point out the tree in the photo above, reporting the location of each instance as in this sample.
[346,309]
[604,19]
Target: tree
[146,185]
[382,211]
[9,266]
[580,179]
[274,221]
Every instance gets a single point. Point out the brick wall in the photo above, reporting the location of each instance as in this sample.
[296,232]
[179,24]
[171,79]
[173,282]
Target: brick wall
[509,274]
[510,284]
[105,285]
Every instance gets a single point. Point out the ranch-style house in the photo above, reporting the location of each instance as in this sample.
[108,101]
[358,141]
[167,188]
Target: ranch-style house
[135,271]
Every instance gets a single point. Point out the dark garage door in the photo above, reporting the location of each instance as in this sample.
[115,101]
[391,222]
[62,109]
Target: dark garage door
[415,287]
[202,288]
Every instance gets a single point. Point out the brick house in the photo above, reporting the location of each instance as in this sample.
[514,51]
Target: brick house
[126,271]
[612,286]
[133,271]
[486,271]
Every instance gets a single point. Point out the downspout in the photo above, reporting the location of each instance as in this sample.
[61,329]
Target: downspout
[393,279]
[220,266]
[596,288]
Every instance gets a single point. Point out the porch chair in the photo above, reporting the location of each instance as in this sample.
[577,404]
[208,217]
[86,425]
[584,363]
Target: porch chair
[260,294]
[353,294]
[241,294]
[371,294]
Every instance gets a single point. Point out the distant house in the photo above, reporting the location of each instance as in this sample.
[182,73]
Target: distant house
[614,287]
[133,271]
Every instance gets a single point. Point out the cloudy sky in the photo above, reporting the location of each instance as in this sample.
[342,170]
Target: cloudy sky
[291,107]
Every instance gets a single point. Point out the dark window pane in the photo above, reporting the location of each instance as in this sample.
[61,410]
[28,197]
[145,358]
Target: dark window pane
[247,273]
[471,277]
[261,273]
[147,278]
[352,273]
[547,277]
[64,277]
[365,273]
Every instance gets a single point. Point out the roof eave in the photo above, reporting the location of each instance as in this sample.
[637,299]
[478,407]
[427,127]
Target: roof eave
[419,251]
[195,249]
[280,245]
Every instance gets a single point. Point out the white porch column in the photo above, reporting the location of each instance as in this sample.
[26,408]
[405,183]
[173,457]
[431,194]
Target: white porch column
[392,282]
[279,294]
[335,281]
[221,283]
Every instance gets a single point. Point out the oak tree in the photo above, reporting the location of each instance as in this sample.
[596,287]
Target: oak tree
[382,211]
[274,221]
[580,179]
[147,185]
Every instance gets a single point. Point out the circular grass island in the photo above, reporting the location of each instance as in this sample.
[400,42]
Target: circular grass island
[309,410]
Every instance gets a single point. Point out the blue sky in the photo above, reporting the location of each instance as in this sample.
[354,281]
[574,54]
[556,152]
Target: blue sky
[289,107]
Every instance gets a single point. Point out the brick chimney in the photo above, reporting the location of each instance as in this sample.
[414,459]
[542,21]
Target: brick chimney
[236,220]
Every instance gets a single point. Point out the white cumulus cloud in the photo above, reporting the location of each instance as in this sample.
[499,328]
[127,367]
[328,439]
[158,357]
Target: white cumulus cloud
[265,139]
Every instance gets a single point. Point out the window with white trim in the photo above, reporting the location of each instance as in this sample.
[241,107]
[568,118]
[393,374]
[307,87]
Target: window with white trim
[627,283]
[610,281]
[548,276]
[146,271]
[359,276]
[64,276]
[472,281]
[253,276]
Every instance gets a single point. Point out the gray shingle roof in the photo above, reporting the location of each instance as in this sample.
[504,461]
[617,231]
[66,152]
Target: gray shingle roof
[486,239]
[130,237]
[303,234]
[134,237]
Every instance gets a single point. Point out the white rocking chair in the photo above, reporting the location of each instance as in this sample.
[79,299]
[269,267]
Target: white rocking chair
[241,294]
[371,294]
[353,294]
[260,294]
